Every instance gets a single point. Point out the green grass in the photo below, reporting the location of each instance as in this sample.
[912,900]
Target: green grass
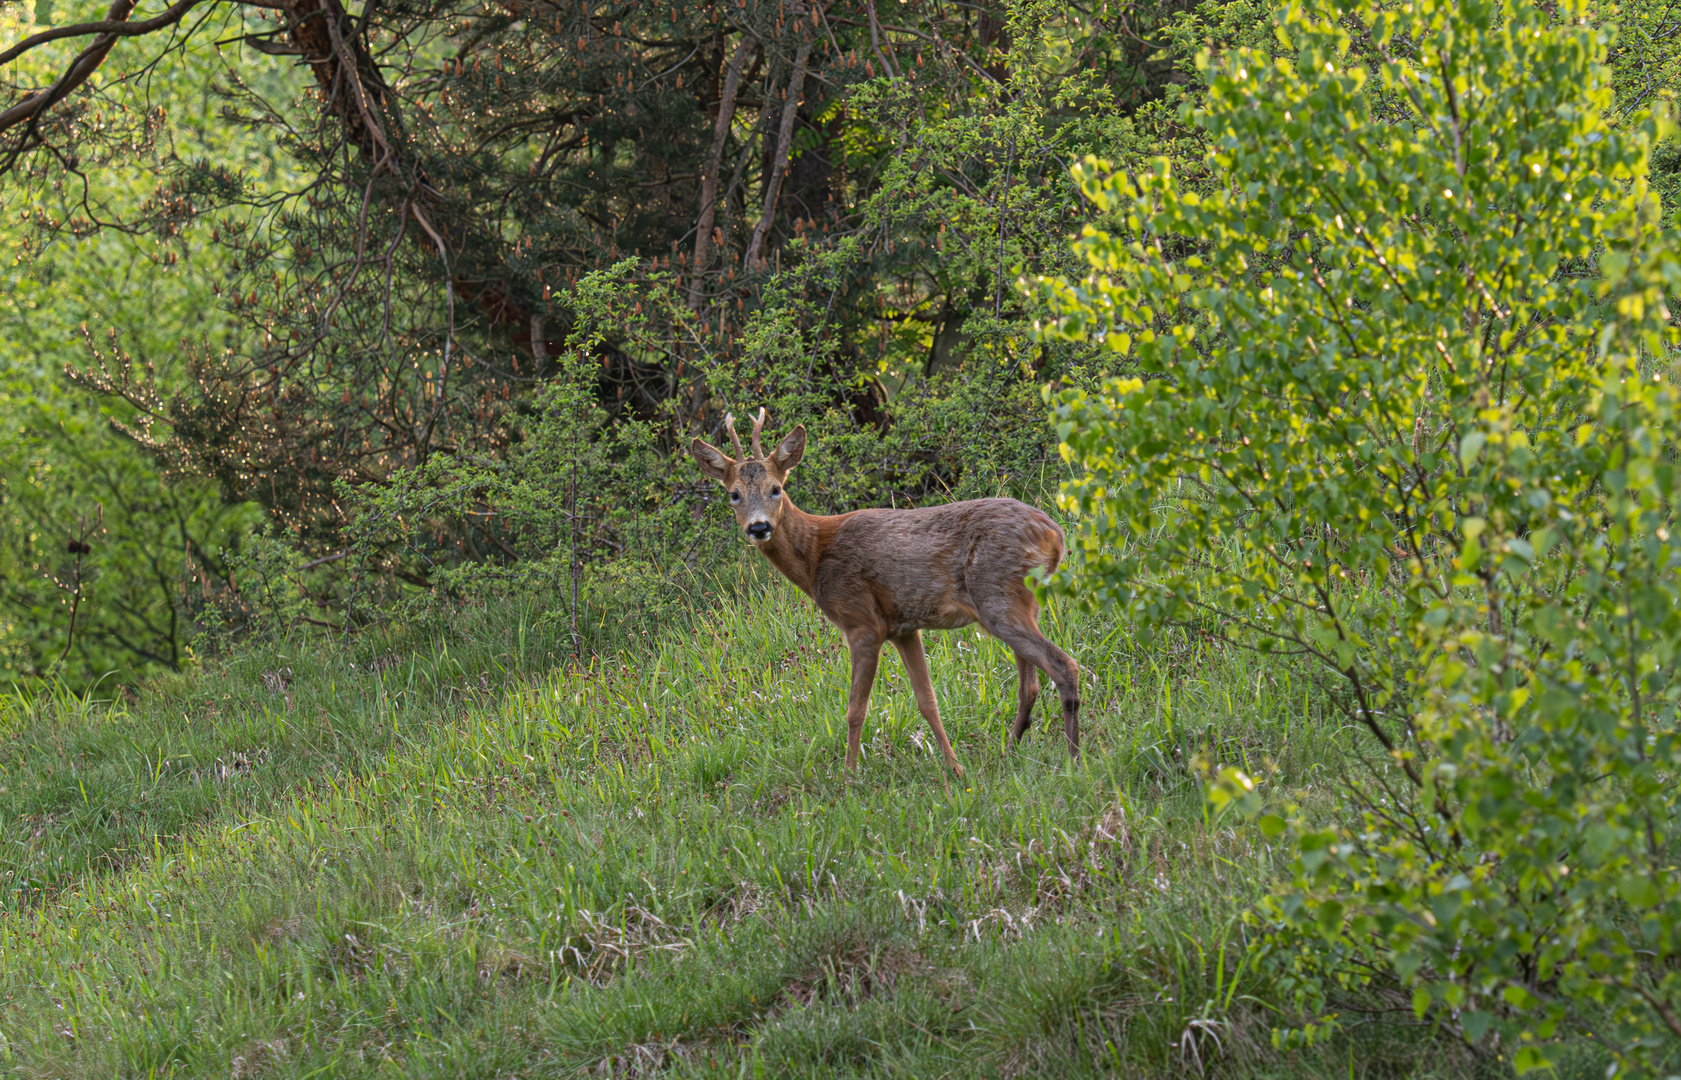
[448,856]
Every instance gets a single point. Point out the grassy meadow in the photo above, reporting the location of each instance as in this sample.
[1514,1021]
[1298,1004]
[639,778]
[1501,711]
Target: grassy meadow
[446,854]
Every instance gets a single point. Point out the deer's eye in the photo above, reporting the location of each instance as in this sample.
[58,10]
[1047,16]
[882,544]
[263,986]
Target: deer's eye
[776,493]
[735,496]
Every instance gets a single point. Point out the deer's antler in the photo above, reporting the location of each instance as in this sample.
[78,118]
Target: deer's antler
[758,426]
[735,440]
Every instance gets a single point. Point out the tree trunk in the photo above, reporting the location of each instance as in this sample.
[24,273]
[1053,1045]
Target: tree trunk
[715,162]
[784,139]
[356,94]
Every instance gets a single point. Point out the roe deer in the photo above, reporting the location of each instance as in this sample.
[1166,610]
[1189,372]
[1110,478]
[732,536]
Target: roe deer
[887,575]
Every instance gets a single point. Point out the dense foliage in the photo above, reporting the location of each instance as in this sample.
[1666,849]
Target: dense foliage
[818,209]
[1404,412]
[373,260]
[69,476]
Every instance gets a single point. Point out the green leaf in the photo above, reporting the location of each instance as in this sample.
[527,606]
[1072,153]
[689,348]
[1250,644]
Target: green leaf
[1469,447]
[1640,892]
[1329,917]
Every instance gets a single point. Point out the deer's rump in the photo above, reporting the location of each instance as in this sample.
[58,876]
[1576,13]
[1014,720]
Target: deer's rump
[937,567]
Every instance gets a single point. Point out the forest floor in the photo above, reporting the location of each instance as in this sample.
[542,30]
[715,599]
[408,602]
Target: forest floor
[449,855]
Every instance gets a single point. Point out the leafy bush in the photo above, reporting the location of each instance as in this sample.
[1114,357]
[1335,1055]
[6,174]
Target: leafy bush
[263,593]
[581,487]
[1403,415]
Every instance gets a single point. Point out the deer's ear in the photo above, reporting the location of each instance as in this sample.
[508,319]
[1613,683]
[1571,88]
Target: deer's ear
[711,460]
[789,451]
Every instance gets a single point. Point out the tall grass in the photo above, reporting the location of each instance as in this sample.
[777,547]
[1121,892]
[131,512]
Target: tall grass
[451,854]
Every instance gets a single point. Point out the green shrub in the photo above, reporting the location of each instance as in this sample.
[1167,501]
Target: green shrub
[1403,416]
[590,490]
[584,498]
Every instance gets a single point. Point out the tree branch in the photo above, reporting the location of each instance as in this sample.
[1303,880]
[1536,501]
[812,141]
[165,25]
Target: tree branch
[114,26]
[85,64]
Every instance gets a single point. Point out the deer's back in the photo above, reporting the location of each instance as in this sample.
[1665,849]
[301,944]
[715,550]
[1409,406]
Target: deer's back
[930,568]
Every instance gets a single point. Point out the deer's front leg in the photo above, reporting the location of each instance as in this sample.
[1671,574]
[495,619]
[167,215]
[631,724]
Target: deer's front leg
[865,648]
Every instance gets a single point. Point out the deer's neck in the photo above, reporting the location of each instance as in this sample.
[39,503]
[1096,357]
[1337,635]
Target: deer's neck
[797,545]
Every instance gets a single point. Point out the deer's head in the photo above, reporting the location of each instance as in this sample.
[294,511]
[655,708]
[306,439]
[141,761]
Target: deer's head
[753,481]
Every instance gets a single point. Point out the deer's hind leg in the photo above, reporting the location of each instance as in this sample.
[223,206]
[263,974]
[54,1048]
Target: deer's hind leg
[1014,620]
[1027,695]
[916,663]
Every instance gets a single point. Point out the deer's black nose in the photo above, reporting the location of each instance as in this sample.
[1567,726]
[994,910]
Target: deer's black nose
[760,530]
